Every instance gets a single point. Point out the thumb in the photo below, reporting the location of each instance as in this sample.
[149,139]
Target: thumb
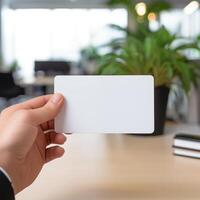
[48,111]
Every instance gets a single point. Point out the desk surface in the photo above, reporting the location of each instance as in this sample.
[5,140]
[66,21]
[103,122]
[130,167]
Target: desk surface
[118,167]
[37,81]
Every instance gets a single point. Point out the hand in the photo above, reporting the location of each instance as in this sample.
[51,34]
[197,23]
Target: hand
[26,130]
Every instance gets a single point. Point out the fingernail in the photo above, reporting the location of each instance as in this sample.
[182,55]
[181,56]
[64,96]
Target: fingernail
[57,98]
[65,139]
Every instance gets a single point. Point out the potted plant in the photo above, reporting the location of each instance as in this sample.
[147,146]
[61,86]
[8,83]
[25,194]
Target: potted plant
[89,58]
[155,54]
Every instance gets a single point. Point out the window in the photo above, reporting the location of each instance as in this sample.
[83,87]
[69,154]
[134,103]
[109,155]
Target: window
[177,22]
[184,25]
[42,34]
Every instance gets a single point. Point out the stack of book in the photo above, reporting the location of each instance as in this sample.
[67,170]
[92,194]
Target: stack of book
[187,145]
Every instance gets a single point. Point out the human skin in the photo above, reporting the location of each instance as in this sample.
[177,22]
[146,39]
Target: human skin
[26,131]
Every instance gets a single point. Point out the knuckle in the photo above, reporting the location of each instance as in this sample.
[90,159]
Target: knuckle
[22,115]
[5,111]
[8,110]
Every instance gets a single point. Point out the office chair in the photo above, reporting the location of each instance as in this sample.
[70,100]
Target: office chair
[8,88]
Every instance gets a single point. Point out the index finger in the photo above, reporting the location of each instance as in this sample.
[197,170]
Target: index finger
[31,104]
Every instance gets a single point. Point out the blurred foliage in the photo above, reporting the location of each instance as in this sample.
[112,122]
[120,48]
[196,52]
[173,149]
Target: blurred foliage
[14,66]
[144,52]
[198,40]
[154,54]
[158,6]
[90,53]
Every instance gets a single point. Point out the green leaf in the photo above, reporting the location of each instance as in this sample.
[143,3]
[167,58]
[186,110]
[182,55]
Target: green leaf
[186,47]
[152,53]
[184,75]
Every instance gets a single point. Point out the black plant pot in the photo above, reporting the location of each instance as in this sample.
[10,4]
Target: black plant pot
[161,99]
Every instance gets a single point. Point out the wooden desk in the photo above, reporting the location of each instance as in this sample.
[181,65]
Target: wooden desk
[118,167]
[37,81]
[46,83]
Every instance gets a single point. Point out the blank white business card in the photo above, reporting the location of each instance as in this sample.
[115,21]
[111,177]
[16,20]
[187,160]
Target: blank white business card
[106,104]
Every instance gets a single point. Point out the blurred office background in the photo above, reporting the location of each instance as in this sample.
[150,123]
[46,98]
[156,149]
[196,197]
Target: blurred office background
[44,38]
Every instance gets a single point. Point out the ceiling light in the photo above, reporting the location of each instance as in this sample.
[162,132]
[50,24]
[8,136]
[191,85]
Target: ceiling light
[191,7]
[141,8]
[152,16]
